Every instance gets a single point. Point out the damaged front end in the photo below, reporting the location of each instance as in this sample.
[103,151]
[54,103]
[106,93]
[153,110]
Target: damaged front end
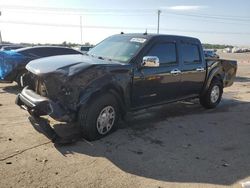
[58,86]
[48,94]
[38,105]
[9,62]
[52,94]
[36,100]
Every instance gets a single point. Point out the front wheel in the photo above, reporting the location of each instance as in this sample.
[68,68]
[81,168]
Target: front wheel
[99,118]
[213,95]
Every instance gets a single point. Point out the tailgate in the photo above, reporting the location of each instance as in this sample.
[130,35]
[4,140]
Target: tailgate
[230,69]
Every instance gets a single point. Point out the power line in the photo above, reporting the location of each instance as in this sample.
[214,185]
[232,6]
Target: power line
[223,19]
[212,17]
[207,19]
[143,14]
[88,13]
[74,10]
[119,27]
[221,16]
[135,12]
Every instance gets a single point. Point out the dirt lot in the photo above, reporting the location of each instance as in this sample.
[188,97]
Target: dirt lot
[178,145]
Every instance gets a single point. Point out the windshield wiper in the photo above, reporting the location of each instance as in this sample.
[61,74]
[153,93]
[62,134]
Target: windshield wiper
[104,58]
[100,57]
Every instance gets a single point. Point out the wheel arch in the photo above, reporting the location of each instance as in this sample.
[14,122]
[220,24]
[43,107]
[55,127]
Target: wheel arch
[115,90]
[216,73]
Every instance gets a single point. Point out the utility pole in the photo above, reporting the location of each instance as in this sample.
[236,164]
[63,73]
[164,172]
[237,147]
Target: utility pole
[81,27]
[158,25]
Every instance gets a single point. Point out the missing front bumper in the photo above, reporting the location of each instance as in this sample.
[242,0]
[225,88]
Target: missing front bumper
[39,106]
[42,125]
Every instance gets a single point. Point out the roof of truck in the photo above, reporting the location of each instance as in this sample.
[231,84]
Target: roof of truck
[151,35]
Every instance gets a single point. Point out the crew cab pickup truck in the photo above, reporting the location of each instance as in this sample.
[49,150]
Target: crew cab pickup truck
[124,72]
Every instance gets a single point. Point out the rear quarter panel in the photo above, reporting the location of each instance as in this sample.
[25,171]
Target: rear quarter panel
[225,69]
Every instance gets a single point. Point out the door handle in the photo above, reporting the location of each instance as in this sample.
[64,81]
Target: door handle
[175,72]
[200,69]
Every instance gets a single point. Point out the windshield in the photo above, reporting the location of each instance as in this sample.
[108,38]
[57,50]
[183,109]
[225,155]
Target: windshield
[119,48]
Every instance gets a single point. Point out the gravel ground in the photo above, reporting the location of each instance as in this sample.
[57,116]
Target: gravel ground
[177,145]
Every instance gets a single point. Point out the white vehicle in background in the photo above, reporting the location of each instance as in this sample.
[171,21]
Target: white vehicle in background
[245,49]
[227,50]
[240,50]
[237,50]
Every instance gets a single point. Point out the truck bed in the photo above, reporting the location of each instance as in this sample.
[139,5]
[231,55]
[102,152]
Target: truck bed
[228,67]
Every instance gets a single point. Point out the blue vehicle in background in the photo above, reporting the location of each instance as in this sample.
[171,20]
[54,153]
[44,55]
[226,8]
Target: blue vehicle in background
[12,47]
[13,62]
[9,60]
[210,54]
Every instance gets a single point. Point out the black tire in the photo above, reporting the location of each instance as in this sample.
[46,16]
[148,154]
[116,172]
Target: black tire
[206,99]
[88,115]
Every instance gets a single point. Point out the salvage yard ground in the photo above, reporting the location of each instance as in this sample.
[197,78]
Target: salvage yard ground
[177,145]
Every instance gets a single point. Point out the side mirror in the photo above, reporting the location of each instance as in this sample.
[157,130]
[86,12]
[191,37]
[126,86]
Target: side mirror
[150,61]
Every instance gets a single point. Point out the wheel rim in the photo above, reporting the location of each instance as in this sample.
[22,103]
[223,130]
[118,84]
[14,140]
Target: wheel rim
[215,94]
[105,120]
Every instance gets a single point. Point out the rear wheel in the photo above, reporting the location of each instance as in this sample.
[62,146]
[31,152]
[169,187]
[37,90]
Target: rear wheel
[100,117]
[213,95]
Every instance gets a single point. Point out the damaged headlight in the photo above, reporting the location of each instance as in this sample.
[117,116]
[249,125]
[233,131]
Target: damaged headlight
[41,88]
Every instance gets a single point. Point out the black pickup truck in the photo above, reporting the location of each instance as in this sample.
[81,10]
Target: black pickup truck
[125,72]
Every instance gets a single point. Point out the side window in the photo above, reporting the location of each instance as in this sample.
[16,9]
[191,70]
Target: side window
[166,52]
[190,53]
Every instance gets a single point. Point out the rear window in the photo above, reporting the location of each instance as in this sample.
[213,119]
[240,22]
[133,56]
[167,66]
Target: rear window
[190,53]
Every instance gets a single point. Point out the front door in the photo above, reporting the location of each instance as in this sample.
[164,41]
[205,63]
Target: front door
[152,85]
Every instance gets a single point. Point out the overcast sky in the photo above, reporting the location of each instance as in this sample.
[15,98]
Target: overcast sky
[54,21]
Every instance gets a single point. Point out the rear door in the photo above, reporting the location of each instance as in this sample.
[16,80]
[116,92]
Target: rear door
[193,68]
[152,85]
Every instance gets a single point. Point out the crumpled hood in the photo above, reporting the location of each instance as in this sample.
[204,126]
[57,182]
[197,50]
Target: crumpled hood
[69,64]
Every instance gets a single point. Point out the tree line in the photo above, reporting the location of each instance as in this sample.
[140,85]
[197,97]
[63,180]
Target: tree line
[216,46]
